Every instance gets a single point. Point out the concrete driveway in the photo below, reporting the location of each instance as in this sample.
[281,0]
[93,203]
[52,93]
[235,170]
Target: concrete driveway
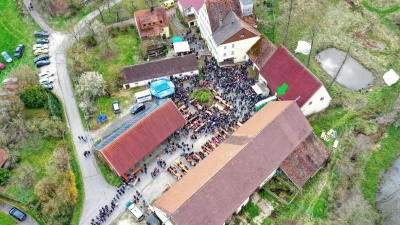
[5,207]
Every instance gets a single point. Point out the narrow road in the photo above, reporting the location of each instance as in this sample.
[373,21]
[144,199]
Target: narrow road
[97,192]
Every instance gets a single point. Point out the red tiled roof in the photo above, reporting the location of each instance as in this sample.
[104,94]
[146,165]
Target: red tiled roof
[261,51]
[283,67]
[305,161]
[3,157]
[219,184]
[139,140]
[218,9]
[146,17]
[160,68]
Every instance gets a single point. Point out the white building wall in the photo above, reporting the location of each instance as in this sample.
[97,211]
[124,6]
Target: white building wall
[317,103]
[145,82]
[267,179]
[162,216]
[243,204]
[239,50]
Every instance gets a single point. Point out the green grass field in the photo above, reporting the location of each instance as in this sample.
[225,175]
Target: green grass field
[15,30]
[5,219]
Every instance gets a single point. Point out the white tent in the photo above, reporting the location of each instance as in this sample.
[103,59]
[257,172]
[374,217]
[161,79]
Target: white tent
[390,77]
[181,47]
[303,47]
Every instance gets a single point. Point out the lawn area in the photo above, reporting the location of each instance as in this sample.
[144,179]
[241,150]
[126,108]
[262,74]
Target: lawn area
[11,35]
[5,219]
[109,176]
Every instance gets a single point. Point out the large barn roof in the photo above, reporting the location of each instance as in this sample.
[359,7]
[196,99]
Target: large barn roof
[131,143]
[220,183]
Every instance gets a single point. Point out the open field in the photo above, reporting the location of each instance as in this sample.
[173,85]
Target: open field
[11,35]
[325,198]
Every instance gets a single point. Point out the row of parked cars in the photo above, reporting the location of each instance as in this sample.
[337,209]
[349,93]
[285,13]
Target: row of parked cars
[41,48]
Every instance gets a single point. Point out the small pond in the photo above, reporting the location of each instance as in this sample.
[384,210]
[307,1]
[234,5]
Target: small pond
[352,75]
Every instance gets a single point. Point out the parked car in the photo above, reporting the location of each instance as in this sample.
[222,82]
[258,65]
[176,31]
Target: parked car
[41,52]
[137,108]
[2,66]
[19,51]
[6,57]
[42,63]
[41,57]
[40,46]
[45,74]
[42,41]
[116,108]
[48,86]
[41,34]
[17,214]
[10,80]
[46,80]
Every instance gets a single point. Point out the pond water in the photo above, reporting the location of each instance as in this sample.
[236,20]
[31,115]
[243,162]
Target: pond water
[388,196]
[352,75]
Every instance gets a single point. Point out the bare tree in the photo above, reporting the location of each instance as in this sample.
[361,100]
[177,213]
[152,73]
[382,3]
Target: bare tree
[312,45]
[25,175]
[75,32]
[288,22]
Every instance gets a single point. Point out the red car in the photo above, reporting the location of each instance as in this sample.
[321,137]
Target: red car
[2,66]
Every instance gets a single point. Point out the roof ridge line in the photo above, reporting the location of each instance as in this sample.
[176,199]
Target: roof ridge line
[293,102]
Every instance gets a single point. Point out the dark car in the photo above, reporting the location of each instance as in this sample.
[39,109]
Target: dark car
[19,51]
[137,108]
[42,41]
[41,34]
[40,57]
[42,63]
[2,66]
[17,214]
[115,106]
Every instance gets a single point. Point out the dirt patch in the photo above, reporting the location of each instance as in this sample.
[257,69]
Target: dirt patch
[392,116]
[372,44]
[59,7]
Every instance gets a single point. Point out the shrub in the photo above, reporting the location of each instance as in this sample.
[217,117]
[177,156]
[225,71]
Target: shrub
[4,175]
[252,209]
[54,105]
[34,97]
[203,95]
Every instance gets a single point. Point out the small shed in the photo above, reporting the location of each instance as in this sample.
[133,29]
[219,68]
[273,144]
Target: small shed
[390,77]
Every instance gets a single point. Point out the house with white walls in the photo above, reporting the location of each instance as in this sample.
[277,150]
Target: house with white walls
[289,79]
[224,28]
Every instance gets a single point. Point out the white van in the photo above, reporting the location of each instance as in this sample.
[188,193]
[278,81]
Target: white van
[136,212]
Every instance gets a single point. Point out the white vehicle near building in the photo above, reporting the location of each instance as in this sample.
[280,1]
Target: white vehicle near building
[143,96]
[40,46]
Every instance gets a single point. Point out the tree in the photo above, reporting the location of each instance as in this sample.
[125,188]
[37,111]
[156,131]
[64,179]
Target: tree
[312,44]
[34,96]
[90,86]
[75,32]
[76,59]
[54,105]
[288,23]
[4,175]
[25,176]
[52,127]
[60,159]
[45,189]
[114,81]
[25,75]
[101,33]
[12,161]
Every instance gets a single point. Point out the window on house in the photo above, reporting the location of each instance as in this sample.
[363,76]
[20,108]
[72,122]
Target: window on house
[233,52]
[233,45]
[225,47]
[160,21]
[322,99]
[244,57]
[242,35]
[224,54]
[310,103]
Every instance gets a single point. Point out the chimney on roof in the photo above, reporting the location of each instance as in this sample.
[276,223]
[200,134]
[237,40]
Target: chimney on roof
[232,20]
[220,22]
[151,9]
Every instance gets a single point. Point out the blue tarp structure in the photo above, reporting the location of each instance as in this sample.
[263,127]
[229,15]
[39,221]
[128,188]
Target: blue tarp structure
[162,88]
[177,39]
[102,119]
